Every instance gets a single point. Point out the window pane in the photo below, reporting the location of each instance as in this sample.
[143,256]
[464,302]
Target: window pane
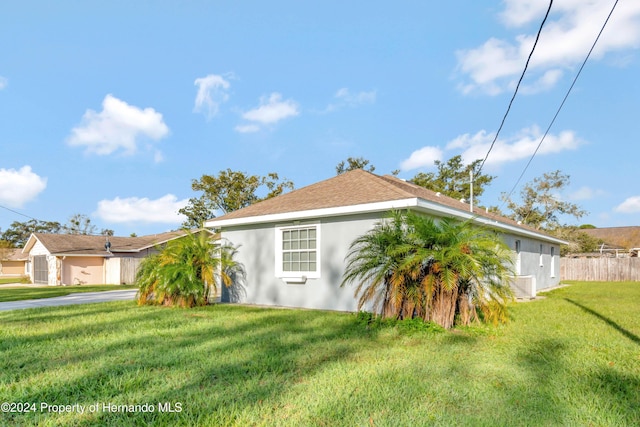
[294,234]
[303,234]
[312,256]
[295,244]
[312,233]
[286,266]
[304,256]
[286,235]
[312,244]
[295,256]
[295,266]
[304,266]
[286,256]
[312,266]
[304,244]
[286,246]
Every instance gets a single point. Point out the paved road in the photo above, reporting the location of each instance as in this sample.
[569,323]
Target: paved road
[78,298]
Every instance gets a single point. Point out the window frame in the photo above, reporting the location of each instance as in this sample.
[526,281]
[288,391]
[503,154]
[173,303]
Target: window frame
[279,251]
[518,261]
[541,255]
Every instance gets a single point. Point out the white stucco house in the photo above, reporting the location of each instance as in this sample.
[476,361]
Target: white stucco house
[293,246]
[75,259]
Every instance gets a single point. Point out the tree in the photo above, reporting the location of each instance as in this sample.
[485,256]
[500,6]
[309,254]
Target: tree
[80,224]
[18,232]
[540,207]
[453,179]
[579,241]
[186,272]
[353,163]
[413,266]
[5,249]
[227,192]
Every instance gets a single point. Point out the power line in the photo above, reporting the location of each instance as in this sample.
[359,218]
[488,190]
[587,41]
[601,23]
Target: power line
[63,227]
[526,65]
[562,103]
[19,213]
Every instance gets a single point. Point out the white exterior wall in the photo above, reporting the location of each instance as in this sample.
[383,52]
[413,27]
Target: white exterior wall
[52,276]
[112,271]
[544,270]
[256,251]
[257,254]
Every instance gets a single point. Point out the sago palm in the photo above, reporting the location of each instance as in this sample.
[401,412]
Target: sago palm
[373,264]
[186,272]
[462,267]
[411,265]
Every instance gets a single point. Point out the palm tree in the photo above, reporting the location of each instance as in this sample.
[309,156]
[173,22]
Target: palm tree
[373,262]
[414,266]
[186,272]
[461,267]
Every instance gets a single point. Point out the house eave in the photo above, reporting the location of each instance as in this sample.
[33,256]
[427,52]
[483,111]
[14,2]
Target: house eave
[409,203]
[430,207]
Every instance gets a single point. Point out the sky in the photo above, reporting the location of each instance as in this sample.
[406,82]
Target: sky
[111,109]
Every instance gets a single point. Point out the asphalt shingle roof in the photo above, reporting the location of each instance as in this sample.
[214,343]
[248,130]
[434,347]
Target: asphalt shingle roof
[78,244]
[621,237]
[354,188]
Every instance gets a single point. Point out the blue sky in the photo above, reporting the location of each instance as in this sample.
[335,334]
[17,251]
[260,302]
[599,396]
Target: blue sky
[110,109]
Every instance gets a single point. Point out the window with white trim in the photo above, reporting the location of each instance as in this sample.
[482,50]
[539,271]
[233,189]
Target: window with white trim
[553,261]
[297,251]
[541,255]
[518,257]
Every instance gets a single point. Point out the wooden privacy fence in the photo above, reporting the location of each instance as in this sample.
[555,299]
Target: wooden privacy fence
[128,269]
[600,269]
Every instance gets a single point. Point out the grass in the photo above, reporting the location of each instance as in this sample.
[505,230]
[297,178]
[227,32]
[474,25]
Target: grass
[24,293]
[13,280]
[572,358]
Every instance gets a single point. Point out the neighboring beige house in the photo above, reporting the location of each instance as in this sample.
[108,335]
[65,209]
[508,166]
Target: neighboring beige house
[73,259]
[619,242]
[13,263]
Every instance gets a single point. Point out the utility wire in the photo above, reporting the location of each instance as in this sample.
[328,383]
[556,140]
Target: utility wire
[19,213]
[526,65]
[39,220]
[561,104]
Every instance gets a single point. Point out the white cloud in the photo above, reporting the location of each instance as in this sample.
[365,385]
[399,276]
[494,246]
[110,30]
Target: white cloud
[424,157]
[158,157]
[475,146]
[247,128]
[118,126]
[18,187]
[586,193]
[142,210]
[345,98]
[630,205]
[212,91]
[271,110]
[566,38]
[3,82]
[516,147]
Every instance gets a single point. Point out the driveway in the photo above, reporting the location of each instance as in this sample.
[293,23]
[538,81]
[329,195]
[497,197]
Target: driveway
[71,299]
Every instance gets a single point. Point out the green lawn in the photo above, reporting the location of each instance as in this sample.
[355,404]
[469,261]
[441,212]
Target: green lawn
[12,280]
[572,358]
[17,294]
